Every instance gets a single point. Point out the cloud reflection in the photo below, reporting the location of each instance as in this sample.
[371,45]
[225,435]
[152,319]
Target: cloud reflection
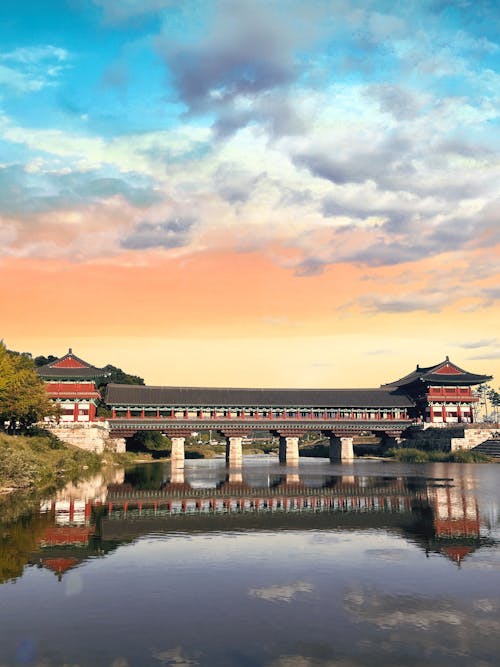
[281,593]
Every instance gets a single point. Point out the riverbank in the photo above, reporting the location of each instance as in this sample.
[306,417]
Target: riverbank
[41,461]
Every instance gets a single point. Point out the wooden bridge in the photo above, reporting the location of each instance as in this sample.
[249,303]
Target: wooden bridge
[236,413]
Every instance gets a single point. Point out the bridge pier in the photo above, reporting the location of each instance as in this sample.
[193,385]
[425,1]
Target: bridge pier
[235,477]
[234,451]
[341,449]
[177,453]
[289,450]
[177,475]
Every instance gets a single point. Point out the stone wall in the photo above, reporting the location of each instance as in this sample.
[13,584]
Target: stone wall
[91,436]
[472,437]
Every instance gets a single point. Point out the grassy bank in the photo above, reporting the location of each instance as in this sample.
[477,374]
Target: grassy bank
[414,455]
[41,461]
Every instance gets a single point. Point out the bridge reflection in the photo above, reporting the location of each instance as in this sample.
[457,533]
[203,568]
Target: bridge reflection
[440,515]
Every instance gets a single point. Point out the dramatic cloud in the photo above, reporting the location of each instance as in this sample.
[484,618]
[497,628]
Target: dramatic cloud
[314,141]
[233,72]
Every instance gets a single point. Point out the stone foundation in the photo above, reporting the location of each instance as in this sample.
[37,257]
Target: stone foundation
[472,438]
[91,436]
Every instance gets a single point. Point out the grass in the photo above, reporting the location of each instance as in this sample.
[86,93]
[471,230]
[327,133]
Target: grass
[40,461]
[414,455]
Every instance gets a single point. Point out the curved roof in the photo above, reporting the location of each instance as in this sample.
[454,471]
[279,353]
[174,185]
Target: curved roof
[121,394]
[446,372]
[70,367]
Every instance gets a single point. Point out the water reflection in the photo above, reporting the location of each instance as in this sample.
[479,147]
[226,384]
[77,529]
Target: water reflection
[89,519]
[331,565]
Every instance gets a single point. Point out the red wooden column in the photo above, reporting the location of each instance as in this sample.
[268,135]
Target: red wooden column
[75,411]
[443,413]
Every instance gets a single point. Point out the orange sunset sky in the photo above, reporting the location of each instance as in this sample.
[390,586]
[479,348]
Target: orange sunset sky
[251,194]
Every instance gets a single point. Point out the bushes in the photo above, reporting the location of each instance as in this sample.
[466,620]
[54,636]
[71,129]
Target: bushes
[40,461]
[413,455]
[409,455]
[468,456]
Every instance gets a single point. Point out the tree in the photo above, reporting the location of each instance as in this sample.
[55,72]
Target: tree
[23,399]
[494,398]
[42,361]
[486,393]
[119,377]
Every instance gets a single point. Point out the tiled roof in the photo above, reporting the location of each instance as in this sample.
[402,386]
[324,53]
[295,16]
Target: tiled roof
[120,394]
[71,367]
[429,375]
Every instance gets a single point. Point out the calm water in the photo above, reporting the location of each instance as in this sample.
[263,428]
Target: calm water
[363,564]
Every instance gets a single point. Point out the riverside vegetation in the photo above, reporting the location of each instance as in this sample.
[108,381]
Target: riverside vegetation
[41,460]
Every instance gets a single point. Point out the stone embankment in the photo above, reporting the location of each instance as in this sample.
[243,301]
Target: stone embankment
[91,436]
[474,437]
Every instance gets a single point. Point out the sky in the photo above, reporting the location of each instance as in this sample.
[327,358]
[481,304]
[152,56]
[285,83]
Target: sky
[287,193]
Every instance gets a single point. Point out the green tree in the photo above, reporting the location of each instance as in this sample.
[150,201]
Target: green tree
[42,361]
[119,377]
[116,376]
[23,399]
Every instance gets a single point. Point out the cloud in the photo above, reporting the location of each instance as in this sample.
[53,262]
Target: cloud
[234,72]
[30,69]
[235,184]
[285,593]
[474,344]
[175,657]
[494,353]
[28,192]
[173,233]
[394,99]
[404,303]
[120,11]
[470,626]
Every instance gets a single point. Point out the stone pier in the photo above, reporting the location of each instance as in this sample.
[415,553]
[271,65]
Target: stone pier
[289,450]
[177,475]
[235,477]
[234,451]
[177,453]
[341,449]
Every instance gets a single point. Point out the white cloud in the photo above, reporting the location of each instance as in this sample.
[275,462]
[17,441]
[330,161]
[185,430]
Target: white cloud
[29,69]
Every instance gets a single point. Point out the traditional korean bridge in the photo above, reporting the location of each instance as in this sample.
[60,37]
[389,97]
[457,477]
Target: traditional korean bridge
[235,413]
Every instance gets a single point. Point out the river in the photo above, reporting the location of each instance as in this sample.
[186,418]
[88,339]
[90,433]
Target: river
[370,563]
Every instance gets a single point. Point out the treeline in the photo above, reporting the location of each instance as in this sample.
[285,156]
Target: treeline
[23,399]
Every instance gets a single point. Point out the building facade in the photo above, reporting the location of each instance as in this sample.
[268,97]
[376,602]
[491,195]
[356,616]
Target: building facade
[442,393]
[438,395]
[70,382]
